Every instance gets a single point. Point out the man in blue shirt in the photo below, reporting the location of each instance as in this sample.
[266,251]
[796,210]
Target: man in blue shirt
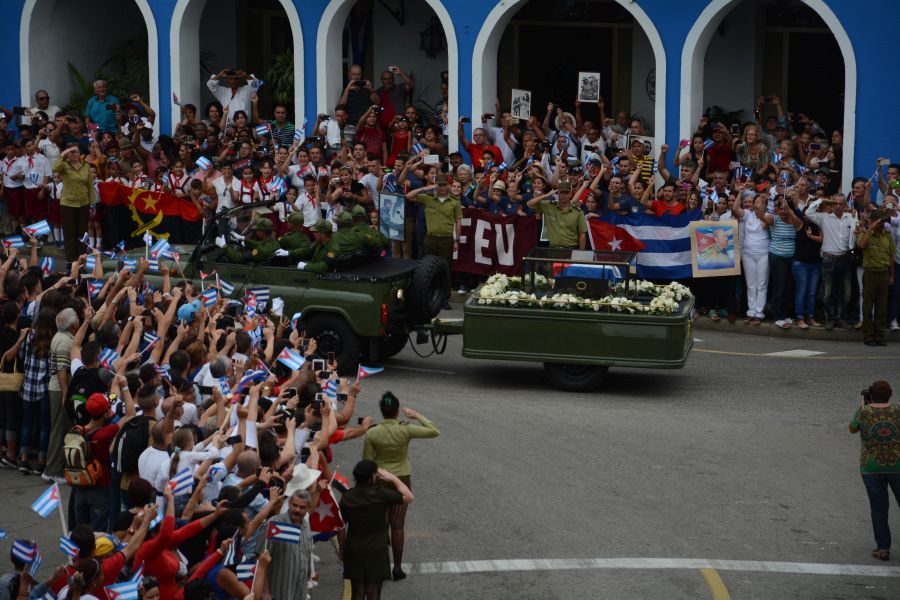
[101,108]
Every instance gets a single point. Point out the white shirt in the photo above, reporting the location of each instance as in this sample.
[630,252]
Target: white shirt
[51,111]
[49,149]
[36,168]
[837,232]
[149,463]
[756,237]
[240,100]
[586,155]
[189,460]
[309,208]
[10,166]
[371,182]
[188,415]
[495,136]
[223,191]
[332,132]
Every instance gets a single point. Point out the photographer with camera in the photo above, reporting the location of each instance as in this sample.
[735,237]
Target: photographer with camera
[101,108]
[878,249]
[233,89]
[878,423]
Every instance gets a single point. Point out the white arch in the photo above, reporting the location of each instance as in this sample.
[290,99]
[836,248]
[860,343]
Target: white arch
[184,54]
[693,56]
[484,60]
[329,55]
[26,84]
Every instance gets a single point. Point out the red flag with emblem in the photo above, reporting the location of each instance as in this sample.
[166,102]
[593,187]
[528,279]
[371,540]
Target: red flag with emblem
[606,236]
[327,516]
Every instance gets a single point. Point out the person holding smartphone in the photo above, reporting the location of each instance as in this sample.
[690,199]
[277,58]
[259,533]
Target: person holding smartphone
[101,108]
[388,446]
[878,423]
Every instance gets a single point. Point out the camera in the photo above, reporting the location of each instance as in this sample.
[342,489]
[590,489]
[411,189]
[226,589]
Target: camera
[324,117]
[767,99]
[18,110]
[378,109]
[735,129]
[489,115]
[866,396]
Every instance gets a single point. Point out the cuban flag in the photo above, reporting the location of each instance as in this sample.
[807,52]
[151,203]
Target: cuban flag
[339,482]
[93,287]
[39,228]
[231,556]
[130,264]
[139,574]
[261,294]
[292,360]
[295,320]
[262,130]
[182,483]
[327,516]
[278,185]
[330,389]
[364,372]
[210,296]
[162,370]
[107,357]
[284,532]
[250,307]
[708,143]
[251,377]
[123,591]
[24,550]
[13,241]
[224,388]
[298,133]
[47,502]
[67,547]
[667,243]
[502,166]
[159,517]
[35,564]
[47,265]
[246,570]
[153,264]
[86,240]
[160,247]
[418,147]
[203,163]
[226,286]
[121,246]
[90,263]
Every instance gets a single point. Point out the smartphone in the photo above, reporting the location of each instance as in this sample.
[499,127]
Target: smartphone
[767,99]
[290,392]
[235,439]
[342,397]
[393,69]
[815,146]
[318,364]
[735,129]
[489,115]
[465,120]
[432,159]
[18,110]
[331,357]
[359,420]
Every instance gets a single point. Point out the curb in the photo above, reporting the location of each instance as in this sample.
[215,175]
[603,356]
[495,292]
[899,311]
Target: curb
[770,330]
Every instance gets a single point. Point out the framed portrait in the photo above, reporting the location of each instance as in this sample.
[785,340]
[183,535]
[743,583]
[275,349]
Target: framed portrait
[520,105]
[391,210]
[588,87]
[715,248]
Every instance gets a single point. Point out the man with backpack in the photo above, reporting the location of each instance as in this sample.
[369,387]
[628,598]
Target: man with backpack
[133,439]
[60,361]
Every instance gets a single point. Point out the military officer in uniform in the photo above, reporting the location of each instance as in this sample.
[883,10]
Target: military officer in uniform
[371,238]
[295,241]
[345,239]
[323,253]
[257,249]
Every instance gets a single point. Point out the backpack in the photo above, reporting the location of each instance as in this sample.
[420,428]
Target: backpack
[132,439]
[81,468]
[85,381]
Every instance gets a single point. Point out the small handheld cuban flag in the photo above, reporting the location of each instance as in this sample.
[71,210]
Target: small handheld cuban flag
[24,550]
[35,564]
[295,320]
[130,264]
[226,286]
[708,143]
[502,166]
[203,163]
[13,241]
[153,264]
[262,130]
[121,246]
[47,502]
[225,388]
[364,372]
[93,287]
[182,483]
[39,228]
[148,238]
[159,517]
[251,377]
[162,370]
[776,157]
[298,133]
[107,357]
[68,547]
[90,263]
[160,247]
[339,482]
[330,389]
[47,265]
[250,307]
[150,338]
[284,532]
[210,296]
[137,575]
[278,185]
[246,570]
[231,556]
[123,591]
[261,294]
[418,147]
[292,360]
[86,240]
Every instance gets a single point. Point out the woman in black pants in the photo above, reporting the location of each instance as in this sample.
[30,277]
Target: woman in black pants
[10,405]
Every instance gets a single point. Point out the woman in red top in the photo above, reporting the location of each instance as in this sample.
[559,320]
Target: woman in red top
[401,142]
[158,555]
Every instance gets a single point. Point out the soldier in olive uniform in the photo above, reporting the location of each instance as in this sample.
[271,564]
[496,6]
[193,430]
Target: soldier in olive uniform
[371,238]
[345,239]
[295,241]
[256,249]
[323,253]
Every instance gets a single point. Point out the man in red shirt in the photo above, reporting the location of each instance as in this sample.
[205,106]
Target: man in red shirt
[666,203]
[720,155]
[477,146]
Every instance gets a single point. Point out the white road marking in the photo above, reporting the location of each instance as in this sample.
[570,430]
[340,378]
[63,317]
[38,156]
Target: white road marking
[418,370]
[697,340]
[799,353]
[568,564]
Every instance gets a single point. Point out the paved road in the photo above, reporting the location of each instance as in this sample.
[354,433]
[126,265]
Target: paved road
[734,477]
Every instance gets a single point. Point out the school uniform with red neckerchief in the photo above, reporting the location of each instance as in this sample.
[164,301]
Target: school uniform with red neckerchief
[14,190]
[246,195]
[182,184]
[143,182]
[54,191]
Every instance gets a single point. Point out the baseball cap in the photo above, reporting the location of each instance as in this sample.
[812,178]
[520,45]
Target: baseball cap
[564,186]
[97,405]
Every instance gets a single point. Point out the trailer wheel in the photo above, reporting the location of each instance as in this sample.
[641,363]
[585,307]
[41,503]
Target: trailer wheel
[332,334]
[575,378]
[394,341]
[428,289]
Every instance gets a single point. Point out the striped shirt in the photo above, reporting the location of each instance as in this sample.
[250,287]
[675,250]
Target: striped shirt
[288,574]
[784,239]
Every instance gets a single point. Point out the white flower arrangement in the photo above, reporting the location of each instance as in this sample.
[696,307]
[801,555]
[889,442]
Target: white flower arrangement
[500,290]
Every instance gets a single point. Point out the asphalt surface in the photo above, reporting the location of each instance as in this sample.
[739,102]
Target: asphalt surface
[740,456]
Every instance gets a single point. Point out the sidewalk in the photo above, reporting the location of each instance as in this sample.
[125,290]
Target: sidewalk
[768,329]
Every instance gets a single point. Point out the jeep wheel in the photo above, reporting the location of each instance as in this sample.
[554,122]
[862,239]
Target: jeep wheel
[428,289]
[334,335]
[575,378]
[393,342]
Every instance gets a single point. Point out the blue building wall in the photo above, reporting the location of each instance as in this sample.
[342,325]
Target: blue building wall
[870,25]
